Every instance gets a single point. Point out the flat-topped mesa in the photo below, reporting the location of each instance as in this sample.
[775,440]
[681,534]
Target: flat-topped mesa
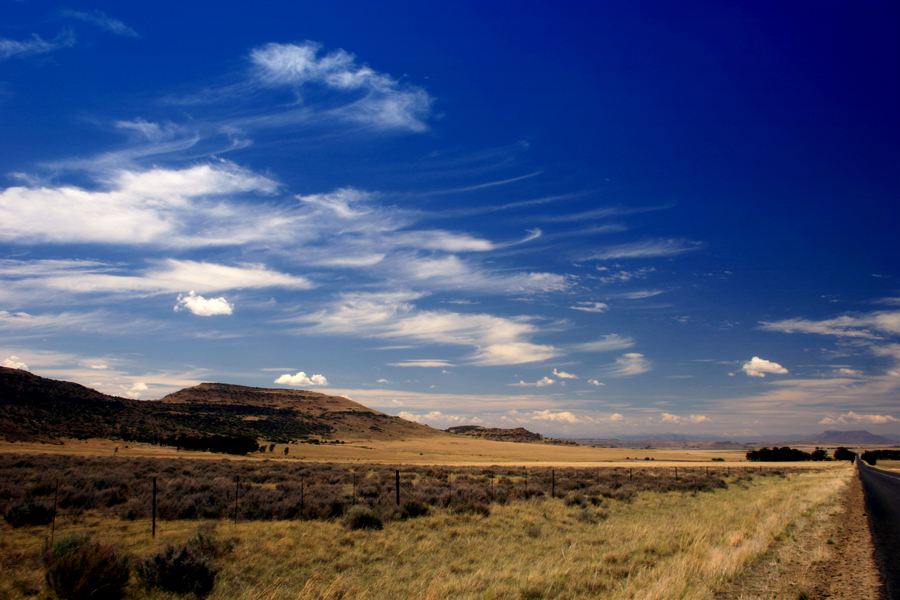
[517,434]
[226,393]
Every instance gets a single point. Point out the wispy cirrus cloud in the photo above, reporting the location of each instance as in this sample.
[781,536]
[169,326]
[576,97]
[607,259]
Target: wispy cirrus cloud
[368,96]
[628,365]
[608,343]
[855,326]
[646,249]
[34,45]
[424,362]
[102,20]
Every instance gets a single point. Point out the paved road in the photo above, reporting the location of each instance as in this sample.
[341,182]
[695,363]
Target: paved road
[882,491]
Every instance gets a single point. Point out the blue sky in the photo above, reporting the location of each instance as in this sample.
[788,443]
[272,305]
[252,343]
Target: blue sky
[587,219]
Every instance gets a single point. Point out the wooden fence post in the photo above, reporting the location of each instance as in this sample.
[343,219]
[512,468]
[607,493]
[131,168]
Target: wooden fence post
[237,491]
[676,473]
[153,511]
[553,483]
[55,503]
[397,487]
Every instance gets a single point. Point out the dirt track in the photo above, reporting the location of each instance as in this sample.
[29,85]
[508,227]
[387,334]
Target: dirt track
[806,565]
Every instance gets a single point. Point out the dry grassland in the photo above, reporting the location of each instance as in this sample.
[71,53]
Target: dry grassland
[449,450]
[655,546]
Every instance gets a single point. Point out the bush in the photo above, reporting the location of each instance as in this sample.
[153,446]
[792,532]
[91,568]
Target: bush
[182,570]
[208,544]
[28,512]
[81,568]
[413,509]
[360,517]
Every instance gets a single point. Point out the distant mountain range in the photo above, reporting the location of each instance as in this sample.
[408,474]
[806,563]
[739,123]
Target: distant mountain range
[827,438]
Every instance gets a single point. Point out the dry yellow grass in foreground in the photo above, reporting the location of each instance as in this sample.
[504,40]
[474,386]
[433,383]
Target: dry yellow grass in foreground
[658,546]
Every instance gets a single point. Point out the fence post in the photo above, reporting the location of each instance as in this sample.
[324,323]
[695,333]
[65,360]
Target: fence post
[237,491]
[450,485]
[397,486]
[629,474]
[302,481]
[153,510]
[55,502]
[676,473]
[492,486]
[354,488]
[553,483]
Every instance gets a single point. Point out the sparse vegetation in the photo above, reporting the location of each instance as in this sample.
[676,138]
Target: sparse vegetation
[79,567]
[183,569]
[656,545]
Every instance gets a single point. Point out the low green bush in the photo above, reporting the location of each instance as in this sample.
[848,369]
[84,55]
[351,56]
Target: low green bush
[413,509]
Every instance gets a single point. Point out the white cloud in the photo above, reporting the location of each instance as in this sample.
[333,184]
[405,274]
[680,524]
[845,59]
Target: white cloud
[301,379]
[859,326]
[608,343]
[168,276]
[171,208]
[851,418]
[497,340]
[594,307]
[135,390]
[757,367]
[543,382]
[378,100]
[845,372]
[595,382]
[436,417]
[35,45]
[423,362]
[564,375]
[13,362]
[382,381]
[557,417]
[204,307]
[670,418]
[648,249]
[629,364]
[102,20]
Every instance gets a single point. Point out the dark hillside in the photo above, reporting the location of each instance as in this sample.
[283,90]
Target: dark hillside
[34,408]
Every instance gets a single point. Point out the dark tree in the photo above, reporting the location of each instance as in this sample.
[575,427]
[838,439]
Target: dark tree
[844,454]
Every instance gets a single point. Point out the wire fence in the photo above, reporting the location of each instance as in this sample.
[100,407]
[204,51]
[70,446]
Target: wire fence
[71,493]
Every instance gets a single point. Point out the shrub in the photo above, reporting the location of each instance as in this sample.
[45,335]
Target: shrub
[413,509]
[208,544]
[181,569]
[360,517]
[28,512]
[81,568]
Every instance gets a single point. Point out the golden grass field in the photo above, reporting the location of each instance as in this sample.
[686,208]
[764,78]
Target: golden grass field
[655,546]
[448,450]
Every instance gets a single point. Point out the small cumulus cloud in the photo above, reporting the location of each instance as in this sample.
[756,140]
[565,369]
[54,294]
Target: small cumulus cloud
[564,375]
[301,379]
[437,417]
[204,307]
[13,362]
[670,418]
[758,367]
[382,381]
[851,418]
[134,391]
[595,382]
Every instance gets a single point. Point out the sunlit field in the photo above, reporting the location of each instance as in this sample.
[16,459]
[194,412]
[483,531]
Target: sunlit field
[677,543]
